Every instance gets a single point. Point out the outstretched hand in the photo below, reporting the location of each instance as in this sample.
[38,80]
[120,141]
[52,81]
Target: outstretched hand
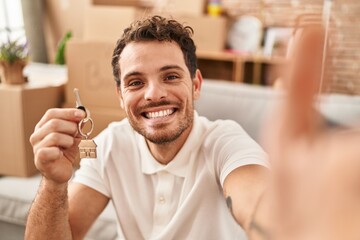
[315,189]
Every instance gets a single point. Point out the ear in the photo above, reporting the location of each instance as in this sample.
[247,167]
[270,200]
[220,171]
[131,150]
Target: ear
[197,81]
[119,94]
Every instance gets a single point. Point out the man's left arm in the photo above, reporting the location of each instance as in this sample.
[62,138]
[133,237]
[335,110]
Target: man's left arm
[243,189]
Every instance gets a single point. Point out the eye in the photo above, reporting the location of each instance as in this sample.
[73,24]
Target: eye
[135,83]
[171,77]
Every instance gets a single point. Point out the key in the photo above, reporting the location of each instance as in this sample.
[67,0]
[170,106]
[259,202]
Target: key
[79,105]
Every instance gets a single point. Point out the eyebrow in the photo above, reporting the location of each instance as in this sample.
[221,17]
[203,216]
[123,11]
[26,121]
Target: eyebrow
[134,73]
[164,68]
[167,67]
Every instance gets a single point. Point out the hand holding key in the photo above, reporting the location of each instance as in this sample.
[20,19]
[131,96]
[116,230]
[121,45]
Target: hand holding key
[55,143]
[56,139]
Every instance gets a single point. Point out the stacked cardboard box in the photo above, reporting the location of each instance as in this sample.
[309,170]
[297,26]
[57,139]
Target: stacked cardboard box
[22,106]
[89,70]
[209,32]
[105,19]
[135,3]
[61,17]
[105,22]
[89,62]
[185,7]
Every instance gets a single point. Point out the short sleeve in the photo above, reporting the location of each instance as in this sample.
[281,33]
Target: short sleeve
[228,147]
[89,174]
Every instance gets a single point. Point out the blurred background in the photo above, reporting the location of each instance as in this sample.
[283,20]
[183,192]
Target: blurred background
[241,46]
[254,32]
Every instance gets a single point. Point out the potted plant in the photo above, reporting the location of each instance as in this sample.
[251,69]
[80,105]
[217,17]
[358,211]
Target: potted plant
[13,59]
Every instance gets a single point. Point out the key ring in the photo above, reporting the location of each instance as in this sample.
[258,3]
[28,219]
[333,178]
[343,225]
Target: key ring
[82,124]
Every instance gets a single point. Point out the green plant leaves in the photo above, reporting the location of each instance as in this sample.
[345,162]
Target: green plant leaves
[60,53]
[13,51]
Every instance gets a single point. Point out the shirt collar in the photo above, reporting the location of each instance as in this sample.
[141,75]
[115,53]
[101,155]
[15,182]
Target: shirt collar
[179,165]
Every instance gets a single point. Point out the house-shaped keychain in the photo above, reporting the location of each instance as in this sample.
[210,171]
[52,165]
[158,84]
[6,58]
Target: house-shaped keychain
[87,149]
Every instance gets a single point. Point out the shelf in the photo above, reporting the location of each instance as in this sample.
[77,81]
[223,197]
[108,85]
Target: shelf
[238,67]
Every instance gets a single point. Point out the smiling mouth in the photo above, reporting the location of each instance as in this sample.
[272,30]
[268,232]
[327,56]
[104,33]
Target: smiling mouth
[159,114]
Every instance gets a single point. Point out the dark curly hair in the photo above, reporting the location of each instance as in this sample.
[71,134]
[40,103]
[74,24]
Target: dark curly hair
[160,29]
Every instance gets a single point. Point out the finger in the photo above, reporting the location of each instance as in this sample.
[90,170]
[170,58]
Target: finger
[306,61]
[54,126]
[45,155]
[53,165]
[304,79]
[69,114]
[59,140]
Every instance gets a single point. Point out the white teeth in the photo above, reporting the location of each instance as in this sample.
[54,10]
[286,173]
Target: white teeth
[159,114]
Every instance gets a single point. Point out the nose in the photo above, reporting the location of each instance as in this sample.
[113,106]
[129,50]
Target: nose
[155,91]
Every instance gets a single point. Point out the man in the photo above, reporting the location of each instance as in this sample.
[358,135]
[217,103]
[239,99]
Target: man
[170,173]
[167,181]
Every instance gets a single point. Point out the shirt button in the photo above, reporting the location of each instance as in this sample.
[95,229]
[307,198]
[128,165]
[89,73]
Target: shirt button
[161,200]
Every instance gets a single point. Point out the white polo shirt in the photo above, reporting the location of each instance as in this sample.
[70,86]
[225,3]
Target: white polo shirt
[181,200]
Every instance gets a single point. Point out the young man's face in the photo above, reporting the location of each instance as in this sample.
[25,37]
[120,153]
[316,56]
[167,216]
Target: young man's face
[157,91]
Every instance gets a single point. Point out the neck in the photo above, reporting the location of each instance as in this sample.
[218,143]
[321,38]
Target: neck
[165,153]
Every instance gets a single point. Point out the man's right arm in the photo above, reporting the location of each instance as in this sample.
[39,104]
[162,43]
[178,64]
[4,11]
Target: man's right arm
[59,212]
[62,212]
[48,216]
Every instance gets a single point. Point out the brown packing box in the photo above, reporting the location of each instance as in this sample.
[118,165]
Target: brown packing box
[22,106]
[195,8]
[60,17]
[107,23]
[89,70]
[101,116]
[187,7]
[137,3]
[210,33]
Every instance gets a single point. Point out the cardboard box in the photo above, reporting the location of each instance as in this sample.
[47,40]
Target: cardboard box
[136,3]
[102,116]
[210,33]
[183,7]
[60,17]
[89,70]
[22,106]
[195,8]
[188,7]
[107,23]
